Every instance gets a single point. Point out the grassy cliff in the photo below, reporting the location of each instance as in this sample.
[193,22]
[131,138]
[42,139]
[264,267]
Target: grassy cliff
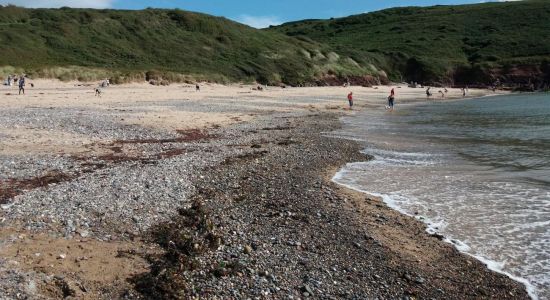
[89,44]
[449,44]
[468,44]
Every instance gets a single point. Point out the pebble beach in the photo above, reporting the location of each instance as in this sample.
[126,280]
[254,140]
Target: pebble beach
[165,192]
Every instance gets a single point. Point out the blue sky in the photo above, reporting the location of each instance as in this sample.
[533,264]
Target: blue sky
[256,13]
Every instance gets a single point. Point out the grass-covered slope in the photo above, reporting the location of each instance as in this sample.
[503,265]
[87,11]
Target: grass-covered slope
[468,43]
[171,42]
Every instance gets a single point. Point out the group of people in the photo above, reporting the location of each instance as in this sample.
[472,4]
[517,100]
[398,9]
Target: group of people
[391,100]
[20,81]
[443,93]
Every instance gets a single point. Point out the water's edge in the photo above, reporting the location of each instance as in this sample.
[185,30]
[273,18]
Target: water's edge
[459,245]
[492,265]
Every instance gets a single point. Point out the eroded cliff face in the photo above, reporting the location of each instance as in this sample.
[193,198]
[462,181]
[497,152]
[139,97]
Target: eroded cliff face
[526,77]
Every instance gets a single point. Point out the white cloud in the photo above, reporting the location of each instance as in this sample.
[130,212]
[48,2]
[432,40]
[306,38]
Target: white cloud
[60,3]
[259,21]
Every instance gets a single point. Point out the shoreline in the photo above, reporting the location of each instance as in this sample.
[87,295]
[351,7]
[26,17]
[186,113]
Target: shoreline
[245,208]
[458,244]
[409,263]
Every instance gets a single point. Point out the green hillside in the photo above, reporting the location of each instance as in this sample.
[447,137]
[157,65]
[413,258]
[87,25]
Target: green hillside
[449,44]
[127,44]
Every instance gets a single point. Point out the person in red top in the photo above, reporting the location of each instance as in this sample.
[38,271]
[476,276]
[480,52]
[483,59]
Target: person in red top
[350,99]
[392,93]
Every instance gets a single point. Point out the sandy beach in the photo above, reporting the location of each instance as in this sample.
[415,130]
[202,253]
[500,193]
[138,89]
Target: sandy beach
[176,107]
[166,192]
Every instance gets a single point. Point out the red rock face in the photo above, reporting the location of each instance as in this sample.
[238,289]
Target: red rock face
[521,77]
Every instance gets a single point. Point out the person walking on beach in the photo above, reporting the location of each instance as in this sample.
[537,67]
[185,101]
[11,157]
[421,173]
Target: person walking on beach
[428,93]
[350,100]
[197,88]
[22,85]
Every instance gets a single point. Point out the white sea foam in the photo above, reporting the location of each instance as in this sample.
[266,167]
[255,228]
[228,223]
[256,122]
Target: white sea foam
[499,268]
[459,168]
[433,227]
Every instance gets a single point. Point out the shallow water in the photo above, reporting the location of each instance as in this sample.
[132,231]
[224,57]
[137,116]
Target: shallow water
[477,171]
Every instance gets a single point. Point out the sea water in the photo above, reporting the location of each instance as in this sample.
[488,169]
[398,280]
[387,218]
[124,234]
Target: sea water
[476,171]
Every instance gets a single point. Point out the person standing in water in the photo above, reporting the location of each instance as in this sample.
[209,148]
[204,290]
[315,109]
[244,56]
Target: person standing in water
[350,100]
[22,85]
[391,100]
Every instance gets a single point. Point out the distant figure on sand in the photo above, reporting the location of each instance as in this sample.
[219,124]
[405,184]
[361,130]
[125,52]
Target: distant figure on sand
[350,100]
[97,92]
[22,85]
[428,93]
[463,92]
[442,94]
[197,88]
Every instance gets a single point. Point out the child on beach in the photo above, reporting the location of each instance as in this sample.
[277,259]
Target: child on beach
[350,100]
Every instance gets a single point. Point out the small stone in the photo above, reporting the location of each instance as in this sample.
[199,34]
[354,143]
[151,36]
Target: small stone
[6,206]
[307,290]
[419,280]
[247,249]
[84,233]
[62,256]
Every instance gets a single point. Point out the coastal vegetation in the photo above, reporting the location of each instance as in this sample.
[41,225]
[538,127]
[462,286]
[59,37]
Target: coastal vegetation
[478,44]
[87,44]
[464,44]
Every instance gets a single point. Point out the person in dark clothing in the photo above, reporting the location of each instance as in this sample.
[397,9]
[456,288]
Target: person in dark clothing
[22,85]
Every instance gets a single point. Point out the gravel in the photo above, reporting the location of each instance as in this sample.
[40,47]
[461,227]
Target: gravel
[282,229]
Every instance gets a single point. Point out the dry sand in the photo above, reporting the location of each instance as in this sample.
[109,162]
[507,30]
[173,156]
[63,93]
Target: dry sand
[177,107]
